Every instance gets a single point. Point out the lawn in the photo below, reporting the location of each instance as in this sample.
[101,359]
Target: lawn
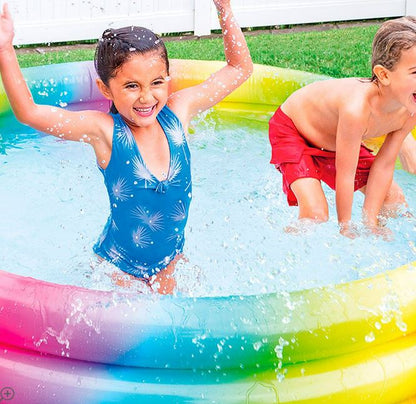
[338,52]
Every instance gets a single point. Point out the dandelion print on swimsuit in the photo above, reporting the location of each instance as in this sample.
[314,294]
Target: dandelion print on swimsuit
[145,229]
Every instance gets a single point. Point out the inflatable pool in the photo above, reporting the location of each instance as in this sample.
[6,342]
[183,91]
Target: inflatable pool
[58,343]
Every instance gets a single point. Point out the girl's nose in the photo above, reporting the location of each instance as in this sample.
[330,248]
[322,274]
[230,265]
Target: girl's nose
[145,96]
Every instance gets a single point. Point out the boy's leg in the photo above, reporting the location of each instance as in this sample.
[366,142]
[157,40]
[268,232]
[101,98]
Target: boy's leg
[311,199]
[407,154]
[394,201]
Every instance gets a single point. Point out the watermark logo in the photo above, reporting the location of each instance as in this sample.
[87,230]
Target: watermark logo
[6,394]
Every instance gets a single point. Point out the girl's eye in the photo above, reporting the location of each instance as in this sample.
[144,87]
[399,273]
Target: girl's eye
[131,85]
[158,82]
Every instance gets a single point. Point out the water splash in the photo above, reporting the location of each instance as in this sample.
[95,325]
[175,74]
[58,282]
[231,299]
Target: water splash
[235,239]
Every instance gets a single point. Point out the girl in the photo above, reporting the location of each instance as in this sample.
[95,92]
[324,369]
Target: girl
[140,146]
[317,133]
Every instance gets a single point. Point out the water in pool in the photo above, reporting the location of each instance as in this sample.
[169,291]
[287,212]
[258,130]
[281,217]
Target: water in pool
[54,204]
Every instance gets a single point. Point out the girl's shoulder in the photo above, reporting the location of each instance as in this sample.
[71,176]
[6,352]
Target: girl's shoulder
[178,108]
[87,125]
[105,122]
[169,116]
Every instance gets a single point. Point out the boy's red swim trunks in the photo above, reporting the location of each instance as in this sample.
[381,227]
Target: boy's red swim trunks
[295,158]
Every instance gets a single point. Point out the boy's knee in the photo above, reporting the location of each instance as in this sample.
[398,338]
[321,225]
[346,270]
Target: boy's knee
[316,213]
[321,216]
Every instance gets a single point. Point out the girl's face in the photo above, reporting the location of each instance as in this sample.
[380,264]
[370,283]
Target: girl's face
[139,90]
[403,79]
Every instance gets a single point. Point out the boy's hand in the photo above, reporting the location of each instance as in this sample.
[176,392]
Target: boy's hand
[380,231]
[347,229]
[6,27]
[377,227]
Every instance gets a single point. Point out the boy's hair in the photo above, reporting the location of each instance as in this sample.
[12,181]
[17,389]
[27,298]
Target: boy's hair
[118,45]
[391,39]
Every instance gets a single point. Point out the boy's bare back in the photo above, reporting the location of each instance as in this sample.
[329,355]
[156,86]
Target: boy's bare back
[316,111]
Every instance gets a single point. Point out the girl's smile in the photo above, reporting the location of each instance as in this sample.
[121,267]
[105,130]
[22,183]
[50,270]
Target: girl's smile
[145,112]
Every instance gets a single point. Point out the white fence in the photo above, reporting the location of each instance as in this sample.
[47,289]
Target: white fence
[47,21]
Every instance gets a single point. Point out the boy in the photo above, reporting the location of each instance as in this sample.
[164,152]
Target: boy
[318,131]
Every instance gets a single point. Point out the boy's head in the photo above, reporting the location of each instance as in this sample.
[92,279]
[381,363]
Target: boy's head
[391,39]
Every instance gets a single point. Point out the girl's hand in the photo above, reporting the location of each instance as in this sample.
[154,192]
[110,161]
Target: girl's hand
[6,28]
[221,4]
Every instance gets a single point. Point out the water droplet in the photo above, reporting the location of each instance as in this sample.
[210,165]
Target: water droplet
[370,337]
[257,345]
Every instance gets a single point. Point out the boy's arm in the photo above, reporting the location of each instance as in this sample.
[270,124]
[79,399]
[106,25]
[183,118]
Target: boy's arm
[348,142]
[192,100]
[407,154]
[52,120]
[381,176]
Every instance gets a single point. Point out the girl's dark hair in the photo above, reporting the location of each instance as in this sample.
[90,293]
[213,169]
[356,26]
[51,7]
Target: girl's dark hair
[391,39]
[117,45]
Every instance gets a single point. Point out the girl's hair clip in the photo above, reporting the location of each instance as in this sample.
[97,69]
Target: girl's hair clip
[109,34]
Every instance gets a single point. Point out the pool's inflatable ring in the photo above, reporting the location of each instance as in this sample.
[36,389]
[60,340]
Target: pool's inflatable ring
[350,342]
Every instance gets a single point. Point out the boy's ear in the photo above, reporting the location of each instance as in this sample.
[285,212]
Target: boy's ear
[104,90]
[382,74]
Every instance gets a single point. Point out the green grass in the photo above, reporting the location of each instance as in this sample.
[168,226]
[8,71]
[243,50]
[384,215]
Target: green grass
[338,53]
[343,52]
[28,59]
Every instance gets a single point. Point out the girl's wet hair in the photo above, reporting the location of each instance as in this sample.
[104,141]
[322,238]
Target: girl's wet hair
[391,39]
[116,46]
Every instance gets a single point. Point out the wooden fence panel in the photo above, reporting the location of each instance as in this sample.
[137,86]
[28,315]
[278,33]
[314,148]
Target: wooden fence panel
[48,21]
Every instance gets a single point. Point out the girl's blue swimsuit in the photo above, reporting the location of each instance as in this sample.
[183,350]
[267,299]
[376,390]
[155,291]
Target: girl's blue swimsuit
[145,229]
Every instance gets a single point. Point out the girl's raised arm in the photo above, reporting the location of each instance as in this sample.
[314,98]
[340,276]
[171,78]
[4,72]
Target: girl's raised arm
[86,126]
[190,101]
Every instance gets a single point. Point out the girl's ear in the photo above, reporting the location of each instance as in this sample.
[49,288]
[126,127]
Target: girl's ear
[104,90]
[383,74]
